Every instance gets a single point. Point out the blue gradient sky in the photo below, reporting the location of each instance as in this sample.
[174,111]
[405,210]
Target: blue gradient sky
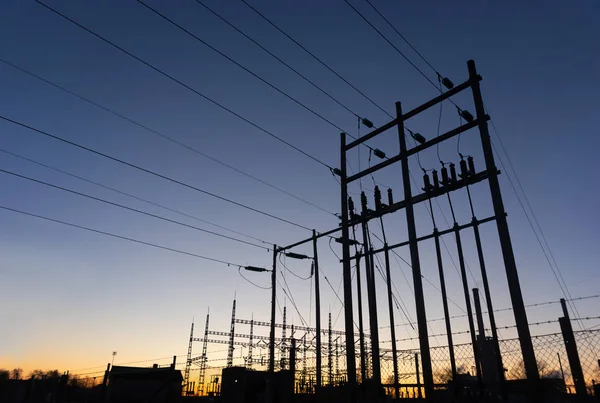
[70,297]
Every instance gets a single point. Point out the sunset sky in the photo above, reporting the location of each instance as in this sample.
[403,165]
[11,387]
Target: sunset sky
[70,297]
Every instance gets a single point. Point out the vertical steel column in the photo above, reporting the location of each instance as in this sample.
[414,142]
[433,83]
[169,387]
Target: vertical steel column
[571,348]
[490,308]
[293,362]
[317,308]
[250,341]
[392,322]
[282,363]
[347,271]
[330,354]
[188,362]
[465,282]
[372,300]
[360,321]
[273,302]
[231,337]
[440,263]
[419,378]
[415,263]
[479,315]
[510,264]
[374,323]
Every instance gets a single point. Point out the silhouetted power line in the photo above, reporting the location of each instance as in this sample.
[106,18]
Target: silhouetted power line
[315,57]
[246,69]
[312,83]
[119,236]
[153,173]
[166,137]
[185,85]
[132,196]
[131,209]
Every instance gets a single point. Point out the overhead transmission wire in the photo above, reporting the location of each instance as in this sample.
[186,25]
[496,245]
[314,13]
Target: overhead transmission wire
[263,80]
[152,172]
[549,256]
[564,289]
[291,298]
[131,195]
[250,281]
[180,27]
[506,309]
[404,309]
[312,83]
[120,236]
[422,276]
[156,69]
[314,56]
[166,137]
[292,273]
[64,189]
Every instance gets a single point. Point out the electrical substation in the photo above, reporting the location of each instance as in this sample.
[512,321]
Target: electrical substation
[301,362]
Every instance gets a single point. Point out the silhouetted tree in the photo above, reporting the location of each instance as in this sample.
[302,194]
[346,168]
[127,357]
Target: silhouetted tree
[76,382]
[53,374]
[16,373]
[518,371]
[445,375]
[4,375]
[37,374]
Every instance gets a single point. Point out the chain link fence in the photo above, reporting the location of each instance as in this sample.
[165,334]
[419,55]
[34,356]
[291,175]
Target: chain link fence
[549,349]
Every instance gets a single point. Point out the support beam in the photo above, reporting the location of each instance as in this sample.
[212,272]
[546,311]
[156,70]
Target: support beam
[388,276]
[361,336]
[572,353]
[490,308]
[438,253]
[432,235]
[510,265]
[273,302]
[416,264]
[465,284]
[414,150]
[317,310]
[346,273]
[411,113]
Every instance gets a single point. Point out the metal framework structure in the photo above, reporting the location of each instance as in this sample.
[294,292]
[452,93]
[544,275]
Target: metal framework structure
[449,184]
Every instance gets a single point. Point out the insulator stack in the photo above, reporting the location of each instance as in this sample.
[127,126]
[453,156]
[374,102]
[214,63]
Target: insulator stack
[464,172]
[377,198]
[471,166]
[363,202]
[453,177]
[378,153]
[446,82]
[351,206]
[436,179]
[426,182]
[466,115]
[390,197]
[445,179]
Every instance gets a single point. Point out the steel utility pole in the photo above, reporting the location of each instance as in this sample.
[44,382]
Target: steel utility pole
[438,253]
[510,265]
[360,321]
[347,275]
[317,308]
[273,302]
[392,322]
[415,262]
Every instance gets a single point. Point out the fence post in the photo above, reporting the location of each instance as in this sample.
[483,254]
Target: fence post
[572,354]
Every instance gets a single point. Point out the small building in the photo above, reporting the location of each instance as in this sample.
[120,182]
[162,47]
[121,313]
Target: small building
[144,385]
